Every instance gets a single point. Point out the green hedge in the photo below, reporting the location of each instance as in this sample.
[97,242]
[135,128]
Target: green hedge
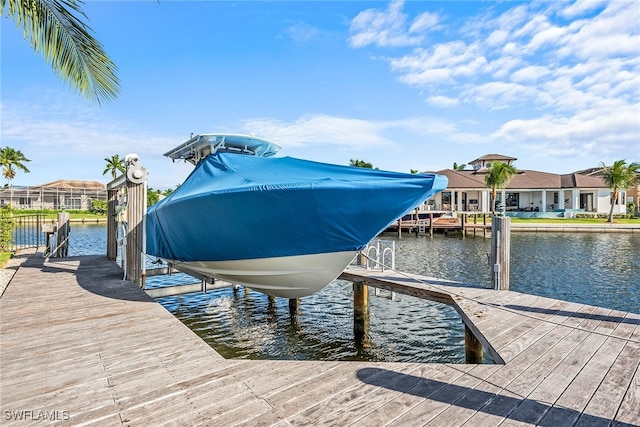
[602,215]
[6,229]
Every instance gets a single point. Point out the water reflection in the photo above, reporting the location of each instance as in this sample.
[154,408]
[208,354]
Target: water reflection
[250,325]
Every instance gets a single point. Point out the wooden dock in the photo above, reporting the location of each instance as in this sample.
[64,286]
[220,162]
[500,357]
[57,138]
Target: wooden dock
[437,221]
[79,346]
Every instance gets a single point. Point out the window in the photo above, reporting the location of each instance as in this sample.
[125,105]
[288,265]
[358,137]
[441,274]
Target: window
[512,200]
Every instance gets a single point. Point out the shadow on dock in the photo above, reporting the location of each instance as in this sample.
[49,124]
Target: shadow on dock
[565,313]
[512,408]
[94,273]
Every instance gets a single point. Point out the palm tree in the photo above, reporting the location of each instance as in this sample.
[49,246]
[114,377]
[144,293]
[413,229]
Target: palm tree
[55,30]
[498,176]
[360,164]
[619,176]
[114,164]
[457,167]
[11,159]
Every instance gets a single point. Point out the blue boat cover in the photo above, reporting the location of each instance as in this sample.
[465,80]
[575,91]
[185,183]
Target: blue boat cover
[235,207]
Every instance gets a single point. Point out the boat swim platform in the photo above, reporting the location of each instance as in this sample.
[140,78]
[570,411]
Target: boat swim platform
[80,346]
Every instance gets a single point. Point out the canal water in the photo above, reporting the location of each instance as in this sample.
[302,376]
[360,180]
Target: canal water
[593,268]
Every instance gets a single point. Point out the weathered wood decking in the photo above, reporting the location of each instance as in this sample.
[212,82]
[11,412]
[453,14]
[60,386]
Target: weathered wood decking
[80,345]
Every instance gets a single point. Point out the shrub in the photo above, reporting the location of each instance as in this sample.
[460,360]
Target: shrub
[7,223]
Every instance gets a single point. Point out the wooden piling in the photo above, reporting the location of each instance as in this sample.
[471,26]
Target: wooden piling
[112,224]
[500,251]
[294,306]
[62,244]
[360,310]
[431,225]
[135,211]
[472,347]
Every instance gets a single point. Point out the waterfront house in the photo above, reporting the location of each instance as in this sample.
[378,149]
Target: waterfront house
[60,194]
[528,193]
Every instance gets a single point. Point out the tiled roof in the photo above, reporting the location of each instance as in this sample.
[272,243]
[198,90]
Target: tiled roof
[524,179]
[73,184]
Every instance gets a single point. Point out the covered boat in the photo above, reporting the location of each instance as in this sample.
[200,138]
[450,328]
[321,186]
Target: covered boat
[284,226]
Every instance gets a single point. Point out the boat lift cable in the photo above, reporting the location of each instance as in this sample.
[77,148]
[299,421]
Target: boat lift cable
[493,305]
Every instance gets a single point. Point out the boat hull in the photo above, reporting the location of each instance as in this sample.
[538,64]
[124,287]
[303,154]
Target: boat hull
[287,277]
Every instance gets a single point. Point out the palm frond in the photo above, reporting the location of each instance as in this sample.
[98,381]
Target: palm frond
[54,29]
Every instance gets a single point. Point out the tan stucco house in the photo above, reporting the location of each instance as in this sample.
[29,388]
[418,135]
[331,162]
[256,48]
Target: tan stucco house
[67,194]
[529,192]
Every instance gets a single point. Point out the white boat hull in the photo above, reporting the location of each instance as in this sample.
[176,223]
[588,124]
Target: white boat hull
[287,277]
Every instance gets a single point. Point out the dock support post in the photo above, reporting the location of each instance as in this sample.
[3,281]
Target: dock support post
[484,223]
[112,224]
[463,219]
[360,310]
[500,251]
[472,347]
[63,235]
[294,306]
[135,212]
[431,225]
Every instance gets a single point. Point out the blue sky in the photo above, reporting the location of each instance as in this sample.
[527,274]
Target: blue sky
[402,85]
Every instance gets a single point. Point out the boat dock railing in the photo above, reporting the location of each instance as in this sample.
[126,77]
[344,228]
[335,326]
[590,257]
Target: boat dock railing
[379,255]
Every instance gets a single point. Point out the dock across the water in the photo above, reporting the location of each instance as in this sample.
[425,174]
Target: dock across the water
[80,346]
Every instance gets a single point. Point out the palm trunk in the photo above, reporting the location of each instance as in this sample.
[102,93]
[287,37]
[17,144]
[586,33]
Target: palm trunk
[494,201]
[613,204]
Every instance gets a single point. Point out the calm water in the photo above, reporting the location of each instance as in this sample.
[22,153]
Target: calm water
[599,269]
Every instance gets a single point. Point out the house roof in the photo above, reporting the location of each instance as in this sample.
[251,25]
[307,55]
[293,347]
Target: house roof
[524,179]
[73,184]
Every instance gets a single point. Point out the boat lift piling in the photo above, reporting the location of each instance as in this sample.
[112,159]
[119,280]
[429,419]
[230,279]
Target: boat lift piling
[134,181]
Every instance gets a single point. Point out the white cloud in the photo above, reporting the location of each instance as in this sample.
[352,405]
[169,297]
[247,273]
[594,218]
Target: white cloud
[301,32]
[443,101]
[390,28]
[63,133]
[581,7]
[499,95]
[576,80]
[588,132]
[354,134]
[424,21]
[529,74]
[319,130]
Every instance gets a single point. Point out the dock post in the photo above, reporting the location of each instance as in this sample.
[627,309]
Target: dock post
[500,251]
[472,347]
[62,244]
[112,241]
[484,223]
[399,228]
[431,225]
[135,212]
[360,310]
[463,219]
[294,309]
